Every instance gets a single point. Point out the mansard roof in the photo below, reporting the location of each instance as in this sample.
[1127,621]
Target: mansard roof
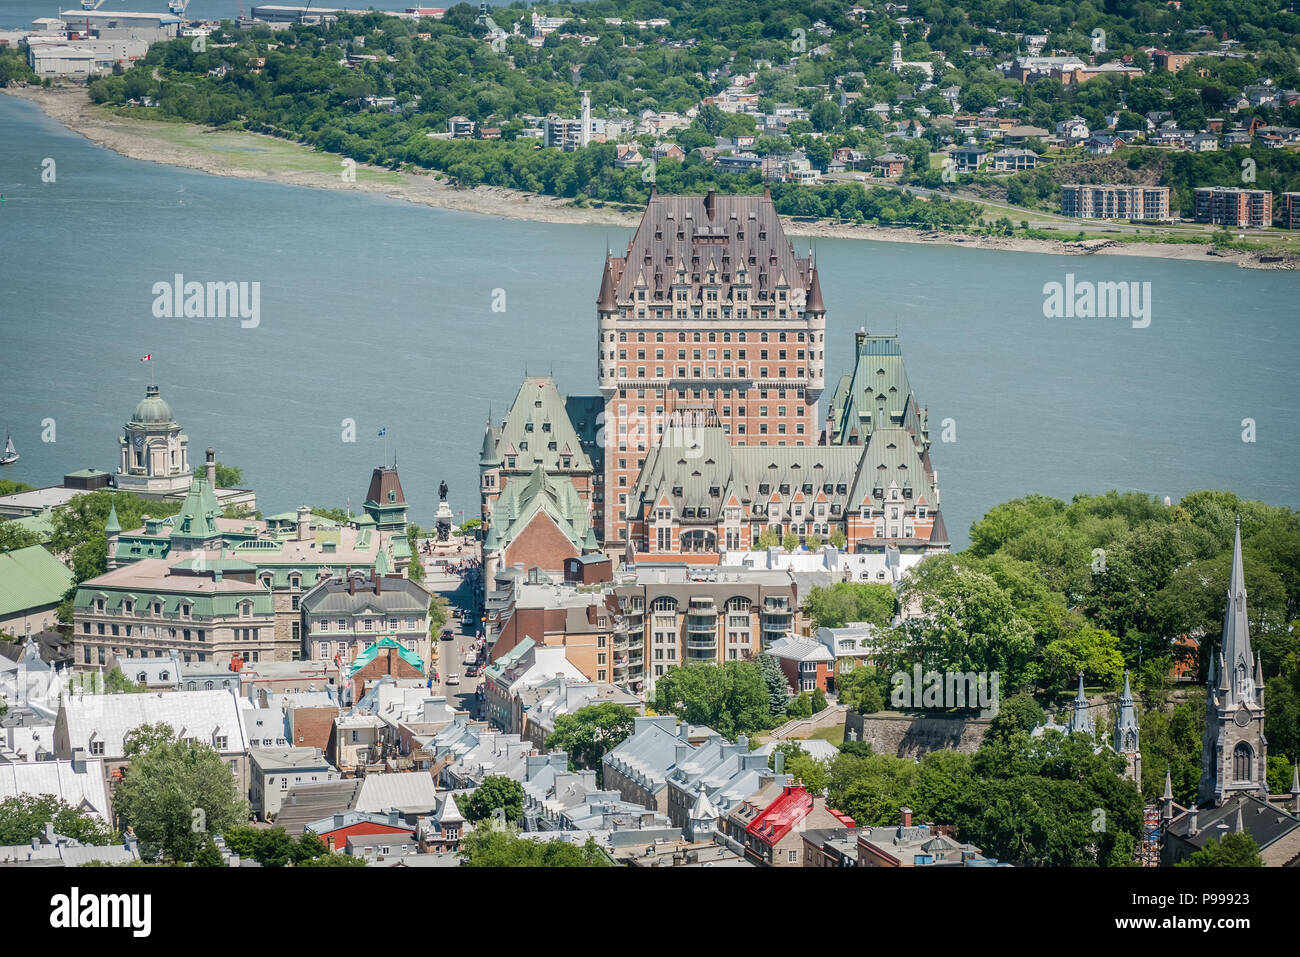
[695,467]
[875,394]
[382,481]
[725,234]
[538,417]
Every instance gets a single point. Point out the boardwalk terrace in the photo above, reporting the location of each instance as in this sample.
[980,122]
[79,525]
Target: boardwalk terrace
[708,304]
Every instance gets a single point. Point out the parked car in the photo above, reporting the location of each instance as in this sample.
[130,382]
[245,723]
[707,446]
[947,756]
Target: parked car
[471,671]
[453,679]
[447,634]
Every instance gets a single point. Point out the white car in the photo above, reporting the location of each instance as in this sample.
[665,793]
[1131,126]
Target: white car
[453,679]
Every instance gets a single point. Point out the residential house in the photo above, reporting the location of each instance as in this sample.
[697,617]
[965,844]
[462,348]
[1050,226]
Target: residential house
[807,664]
[96,726]
[273,771]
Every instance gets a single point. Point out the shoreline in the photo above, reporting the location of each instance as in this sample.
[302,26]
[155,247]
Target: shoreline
[299,165]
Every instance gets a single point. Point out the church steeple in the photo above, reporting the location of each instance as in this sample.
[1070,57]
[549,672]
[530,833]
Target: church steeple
[1127,733]
[1240,663]
[1234,752]
[1081,720]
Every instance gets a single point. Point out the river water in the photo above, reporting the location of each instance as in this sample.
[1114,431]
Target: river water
[380,312]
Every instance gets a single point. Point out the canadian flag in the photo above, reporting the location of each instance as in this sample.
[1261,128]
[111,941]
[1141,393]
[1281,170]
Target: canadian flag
[146,358]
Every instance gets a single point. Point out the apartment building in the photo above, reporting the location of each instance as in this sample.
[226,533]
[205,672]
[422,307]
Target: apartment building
[1233,206]
[1085,201]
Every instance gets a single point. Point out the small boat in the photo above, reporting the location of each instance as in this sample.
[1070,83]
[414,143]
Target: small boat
[10,454]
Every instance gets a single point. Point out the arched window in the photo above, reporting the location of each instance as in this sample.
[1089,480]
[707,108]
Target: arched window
[1242,759]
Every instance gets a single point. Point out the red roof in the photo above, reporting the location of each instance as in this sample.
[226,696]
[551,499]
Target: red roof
[780,817]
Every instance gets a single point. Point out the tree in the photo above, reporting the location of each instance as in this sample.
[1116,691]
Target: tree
[176,792]
[838,538]
[818,700]
[495,792]
[589,732]
[863,689]
[503,847]
[1232,850]
[415,570]
[802,767]
[837,605]
[770,537]
[13,537]
[439,612]
[791,541]
[333,514]
[229,476]
[24,817]
[800,707]
[778,688]
[732,698]
[209,855]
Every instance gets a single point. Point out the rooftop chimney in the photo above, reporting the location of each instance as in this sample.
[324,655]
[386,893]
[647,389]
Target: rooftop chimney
[304,523]
[212,468]
[778,762]
[907,817]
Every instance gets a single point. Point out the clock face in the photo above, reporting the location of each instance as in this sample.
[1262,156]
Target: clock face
[139,441]
[1242,717]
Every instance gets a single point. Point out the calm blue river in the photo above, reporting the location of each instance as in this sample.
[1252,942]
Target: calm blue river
[381,312]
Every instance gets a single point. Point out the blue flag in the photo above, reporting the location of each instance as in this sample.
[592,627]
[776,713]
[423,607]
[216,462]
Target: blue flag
[383,431]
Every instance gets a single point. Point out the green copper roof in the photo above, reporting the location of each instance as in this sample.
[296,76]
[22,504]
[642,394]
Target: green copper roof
[369,655]
[113,525]
[877,394]
[382,566]
[498,667]
[540,492]
[537,431]
[152,410]
[197,521]
[41,524]
[31,578]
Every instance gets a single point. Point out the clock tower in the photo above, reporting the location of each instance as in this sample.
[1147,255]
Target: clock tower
[153,454]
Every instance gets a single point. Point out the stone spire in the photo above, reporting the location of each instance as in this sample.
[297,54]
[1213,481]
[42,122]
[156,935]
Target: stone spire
[1127,732]
[1234,750]
[1081,720]
[1238,661]
[1126,722]
[1167,800]
[1295,787]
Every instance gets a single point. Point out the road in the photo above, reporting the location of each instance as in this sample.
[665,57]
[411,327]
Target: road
[463,592]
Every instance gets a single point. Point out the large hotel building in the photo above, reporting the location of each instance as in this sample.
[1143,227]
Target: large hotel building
[709,309]
[714,424]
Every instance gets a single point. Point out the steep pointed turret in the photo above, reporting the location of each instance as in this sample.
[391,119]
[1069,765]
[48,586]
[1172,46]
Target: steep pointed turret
[606,302]
[1167,800]
[112,529]
[1081,720]
[814,302]
[1127,733]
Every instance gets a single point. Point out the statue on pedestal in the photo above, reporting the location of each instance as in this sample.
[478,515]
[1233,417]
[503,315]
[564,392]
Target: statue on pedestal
[442,521]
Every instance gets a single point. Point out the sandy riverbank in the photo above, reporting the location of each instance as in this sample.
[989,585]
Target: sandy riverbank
[266,158]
